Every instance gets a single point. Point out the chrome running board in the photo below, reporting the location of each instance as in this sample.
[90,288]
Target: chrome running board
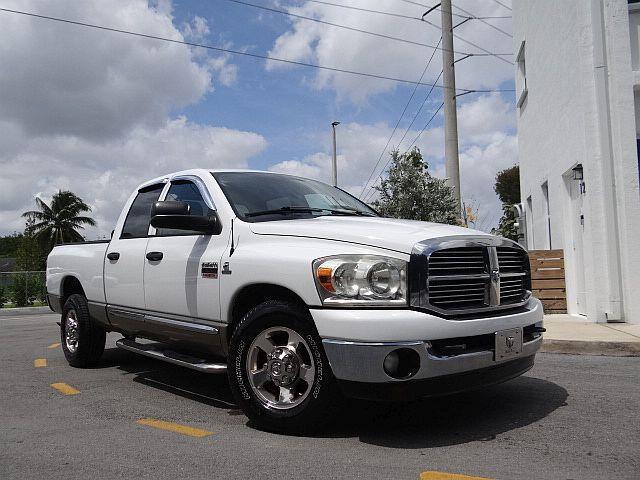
[153,350]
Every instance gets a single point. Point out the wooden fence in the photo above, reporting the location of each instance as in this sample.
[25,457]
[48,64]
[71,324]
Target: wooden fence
[547,279]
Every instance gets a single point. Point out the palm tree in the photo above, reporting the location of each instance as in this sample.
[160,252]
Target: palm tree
[59,223]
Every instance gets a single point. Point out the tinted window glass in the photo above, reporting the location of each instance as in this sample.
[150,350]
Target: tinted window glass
[185,191]
[251,192]
[136,224]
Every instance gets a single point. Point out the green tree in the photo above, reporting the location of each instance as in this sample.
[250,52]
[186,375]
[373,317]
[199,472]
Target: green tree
[60,221]
[9,244]
[507,187]
[30,255]
[410,192]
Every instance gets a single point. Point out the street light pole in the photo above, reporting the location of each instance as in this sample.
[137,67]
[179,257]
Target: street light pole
[334,165]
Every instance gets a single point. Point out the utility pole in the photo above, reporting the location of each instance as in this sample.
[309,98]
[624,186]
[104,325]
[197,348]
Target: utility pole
[452,164]
[334,165]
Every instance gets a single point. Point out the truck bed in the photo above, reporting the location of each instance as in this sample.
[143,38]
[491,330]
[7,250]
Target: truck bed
[83,260]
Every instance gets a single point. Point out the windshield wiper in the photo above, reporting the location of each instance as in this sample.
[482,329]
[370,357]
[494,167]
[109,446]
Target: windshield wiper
[349,211]
[284,211]
[296,209]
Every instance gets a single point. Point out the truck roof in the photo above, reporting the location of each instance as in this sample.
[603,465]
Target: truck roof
[200,172]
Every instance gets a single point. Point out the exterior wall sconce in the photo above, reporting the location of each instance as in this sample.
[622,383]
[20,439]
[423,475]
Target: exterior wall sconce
[578,172]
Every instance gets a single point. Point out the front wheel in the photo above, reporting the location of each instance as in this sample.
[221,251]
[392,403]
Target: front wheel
[278,371]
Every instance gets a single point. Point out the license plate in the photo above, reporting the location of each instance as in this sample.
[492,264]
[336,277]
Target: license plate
[508,344]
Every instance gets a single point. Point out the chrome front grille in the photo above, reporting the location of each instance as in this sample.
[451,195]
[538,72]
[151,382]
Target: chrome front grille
[512,259]
[458,261]
[461,276]
[447,294]
[512,288]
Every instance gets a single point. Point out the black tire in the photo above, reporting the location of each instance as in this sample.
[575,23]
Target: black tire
[91,337]
[324,398]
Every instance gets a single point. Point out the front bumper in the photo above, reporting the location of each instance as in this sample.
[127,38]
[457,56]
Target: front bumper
[363,362]
[357,341]
[437,386]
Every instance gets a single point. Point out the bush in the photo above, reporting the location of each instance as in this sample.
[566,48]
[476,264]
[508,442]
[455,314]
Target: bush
[39,288]
[3,297]
[26,288]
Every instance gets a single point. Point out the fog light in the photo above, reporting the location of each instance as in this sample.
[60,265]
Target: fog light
[401,363]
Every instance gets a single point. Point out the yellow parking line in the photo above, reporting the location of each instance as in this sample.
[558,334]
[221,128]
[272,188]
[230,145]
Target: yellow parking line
[447,476]
[65,389]
[54,345]
[174,427]
[40,362]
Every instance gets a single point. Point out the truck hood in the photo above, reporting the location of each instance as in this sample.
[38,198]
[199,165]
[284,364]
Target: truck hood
[389,233]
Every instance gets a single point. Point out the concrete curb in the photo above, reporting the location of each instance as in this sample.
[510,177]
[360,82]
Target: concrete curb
[580,347]
[15,312]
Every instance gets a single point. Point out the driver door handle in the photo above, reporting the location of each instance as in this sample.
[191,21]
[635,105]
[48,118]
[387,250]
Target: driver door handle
[154,256]
[113,256]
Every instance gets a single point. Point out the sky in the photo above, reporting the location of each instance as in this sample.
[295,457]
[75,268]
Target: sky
[99,112]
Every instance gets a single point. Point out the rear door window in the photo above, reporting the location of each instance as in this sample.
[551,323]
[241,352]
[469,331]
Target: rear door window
[136,225]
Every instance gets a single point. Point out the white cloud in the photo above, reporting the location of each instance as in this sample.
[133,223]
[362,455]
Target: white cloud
[226,72]
[63,79]
[197,29]
[329,45]
[90,111]
[104,174]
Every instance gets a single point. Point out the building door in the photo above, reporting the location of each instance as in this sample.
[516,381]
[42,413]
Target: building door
[577,235]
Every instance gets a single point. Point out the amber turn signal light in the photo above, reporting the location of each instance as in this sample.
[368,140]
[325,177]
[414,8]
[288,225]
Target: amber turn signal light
[324,277]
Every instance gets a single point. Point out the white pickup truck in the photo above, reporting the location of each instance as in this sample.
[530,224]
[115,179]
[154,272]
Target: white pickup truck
[299,292]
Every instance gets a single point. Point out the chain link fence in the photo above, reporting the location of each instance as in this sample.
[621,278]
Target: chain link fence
[22,289]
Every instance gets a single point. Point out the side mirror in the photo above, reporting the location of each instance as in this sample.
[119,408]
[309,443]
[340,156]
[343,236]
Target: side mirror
[175,215]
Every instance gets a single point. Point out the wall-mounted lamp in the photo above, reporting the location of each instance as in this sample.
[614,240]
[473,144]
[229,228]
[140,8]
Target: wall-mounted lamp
[578,172]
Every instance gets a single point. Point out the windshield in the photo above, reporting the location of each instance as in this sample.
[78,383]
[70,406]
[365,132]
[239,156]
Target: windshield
[260,197]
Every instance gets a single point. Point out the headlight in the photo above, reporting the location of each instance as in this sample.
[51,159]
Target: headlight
[367,280]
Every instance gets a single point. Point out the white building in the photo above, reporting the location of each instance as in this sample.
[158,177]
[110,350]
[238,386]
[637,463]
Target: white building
[578,96]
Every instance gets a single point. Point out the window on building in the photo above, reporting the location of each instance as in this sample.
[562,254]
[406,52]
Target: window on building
[521,76]
[136,224]
[529,222]
[547,211]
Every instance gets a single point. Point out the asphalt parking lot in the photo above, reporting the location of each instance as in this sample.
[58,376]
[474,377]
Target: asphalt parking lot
[571,417]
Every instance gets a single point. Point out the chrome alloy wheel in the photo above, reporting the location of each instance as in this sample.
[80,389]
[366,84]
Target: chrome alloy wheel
[280,368]
[71,333]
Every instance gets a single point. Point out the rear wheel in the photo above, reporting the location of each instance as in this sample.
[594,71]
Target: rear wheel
[82,339]
[278,371]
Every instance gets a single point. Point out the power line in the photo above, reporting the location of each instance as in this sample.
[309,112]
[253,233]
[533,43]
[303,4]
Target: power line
[502,4]
[418,112]
[402,139]
[371,192]
[241,53]
[471,15]
[361,9]
[423,5]
[338,25]
[428,6]
[424,128]
[400,15]
[404,135]
[487,52]
[496,55]
[399,120]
